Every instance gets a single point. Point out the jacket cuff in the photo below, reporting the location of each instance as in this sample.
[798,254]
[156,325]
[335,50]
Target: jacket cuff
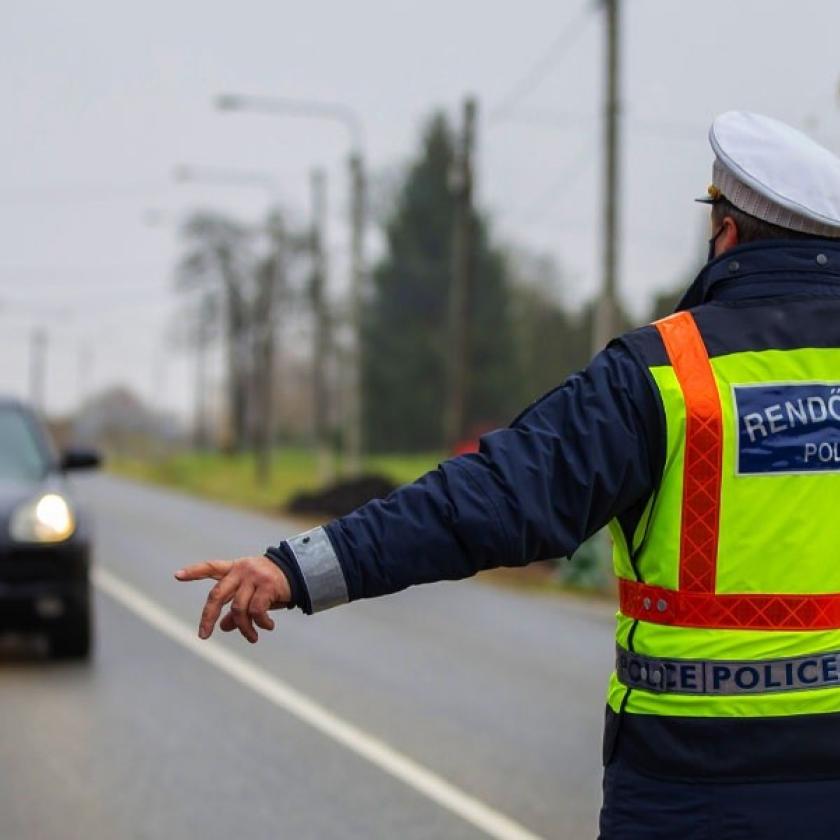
[283,558]
[320,569]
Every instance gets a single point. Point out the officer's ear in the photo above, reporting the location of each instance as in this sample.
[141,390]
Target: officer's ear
[729,236]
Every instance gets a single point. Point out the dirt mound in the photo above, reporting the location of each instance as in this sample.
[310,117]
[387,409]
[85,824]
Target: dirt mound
[342,497]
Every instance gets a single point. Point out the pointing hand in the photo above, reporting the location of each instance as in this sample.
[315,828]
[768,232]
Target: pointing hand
[252,586]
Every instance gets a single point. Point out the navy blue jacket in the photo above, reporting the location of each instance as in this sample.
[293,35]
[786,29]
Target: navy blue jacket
[586,452]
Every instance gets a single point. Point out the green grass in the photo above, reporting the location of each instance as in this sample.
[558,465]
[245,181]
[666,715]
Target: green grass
[402,469]
[231,478]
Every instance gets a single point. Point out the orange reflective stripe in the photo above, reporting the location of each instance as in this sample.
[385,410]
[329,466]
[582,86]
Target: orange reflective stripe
[695,603]
[703,451]
[729,612]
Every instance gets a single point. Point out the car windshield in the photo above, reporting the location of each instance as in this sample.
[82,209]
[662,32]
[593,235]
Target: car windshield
[21,456]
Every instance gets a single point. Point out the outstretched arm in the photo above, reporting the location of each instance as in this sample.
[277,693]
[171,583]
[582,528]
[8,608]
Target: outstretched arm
[581,455]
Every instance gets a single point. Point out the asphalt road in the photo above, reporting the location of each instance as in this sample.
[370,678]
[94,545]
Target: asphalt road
[498,693]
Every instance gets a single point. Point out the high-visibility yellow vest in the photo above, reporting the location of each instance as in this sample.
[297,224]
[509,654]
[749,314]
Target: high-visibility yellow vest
[729,586]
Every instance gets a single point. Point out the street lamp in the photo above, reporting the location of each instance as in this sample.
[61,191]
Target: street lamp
[352,123]
[335,111]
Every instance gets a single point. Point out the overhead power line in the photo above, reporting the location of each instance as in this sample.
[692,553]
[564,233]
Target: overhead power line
[543,66]
[561,184]
[80,192]
[530,116]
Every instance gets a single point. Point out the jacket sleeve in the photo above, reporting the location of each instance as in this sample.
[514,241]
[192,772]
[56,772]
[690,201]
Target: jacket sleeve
[584,453]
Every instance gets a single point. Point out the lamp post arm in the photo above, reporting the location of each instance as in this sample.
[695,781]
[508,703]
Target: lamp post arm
[335,111]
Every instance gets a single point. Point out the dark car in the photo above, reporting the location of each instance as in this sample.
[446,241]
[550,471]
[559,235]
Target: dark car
[44,536]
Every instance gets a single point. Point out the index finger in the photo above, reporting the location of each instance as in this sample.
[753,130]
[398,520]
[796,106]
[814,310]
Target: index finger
[215,569]
[219,595]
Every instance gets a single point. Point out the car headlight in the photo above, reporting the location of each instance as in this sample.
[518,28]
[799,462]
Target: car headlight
[47,519]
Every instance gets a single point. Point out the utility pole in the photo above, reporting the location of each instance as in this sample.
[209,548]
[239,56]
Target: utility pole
[204,327]
[606,312]
[271,284]
[358,212]
[461,185]
[37,368]
[320,337]
[84,373]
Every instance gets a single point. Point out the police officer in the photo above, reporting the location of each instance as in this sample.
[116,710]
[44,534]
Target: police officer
[709,442]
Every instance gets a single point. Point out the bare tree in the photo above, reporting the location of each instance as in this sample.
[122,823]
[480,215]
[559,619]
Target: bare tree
[219,261]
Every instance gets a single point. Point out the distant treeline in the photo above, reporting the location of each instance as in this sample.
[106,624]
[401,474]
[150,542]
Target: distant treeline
[523,339]
[250,288]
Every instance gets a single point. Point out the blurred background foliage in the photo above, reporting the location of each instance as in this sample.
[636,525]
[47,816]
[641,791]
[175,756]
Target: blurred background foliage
[253,292]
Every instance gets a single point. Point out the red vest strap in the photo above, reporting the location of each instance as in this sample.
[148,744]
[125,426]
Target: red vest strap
[729,612]
[703,451]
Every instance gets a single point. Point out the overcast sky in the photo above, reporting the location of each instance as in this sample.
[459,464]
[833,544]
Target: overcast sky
[102,99]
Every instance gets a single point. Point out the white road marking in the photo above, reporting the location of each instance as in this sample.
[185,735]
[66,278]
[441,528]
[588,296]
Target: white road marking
[377,752]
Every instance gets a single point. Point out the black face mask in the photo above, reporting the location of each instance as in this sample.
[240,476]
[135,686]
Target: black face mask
[712,242]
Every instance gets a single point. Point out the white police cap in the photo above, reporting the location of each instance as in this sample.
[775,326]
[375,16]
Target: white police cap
[776,173]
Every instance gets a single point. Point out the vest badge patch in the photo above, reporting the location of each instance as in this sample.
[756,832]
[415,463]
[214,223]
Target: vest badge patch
[788,428]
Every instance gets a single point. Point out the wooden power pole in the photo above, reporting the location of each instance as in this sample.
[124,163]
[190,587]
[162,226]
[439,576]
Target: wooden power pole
[358,201]
[270,287]
[461,184]
[606,312]
[38,369]
[321,337]
[204,329]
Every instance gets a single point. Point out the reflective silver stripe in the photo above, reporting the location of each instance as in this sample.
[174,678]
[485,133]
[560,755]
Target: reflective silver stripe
[320,568]
[722,677]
